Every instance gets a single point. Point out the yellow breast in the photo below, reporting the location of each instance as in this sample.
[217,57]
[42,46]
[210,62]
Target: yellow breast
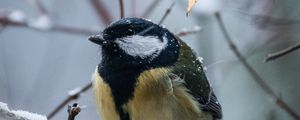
[103,98]
[156,97]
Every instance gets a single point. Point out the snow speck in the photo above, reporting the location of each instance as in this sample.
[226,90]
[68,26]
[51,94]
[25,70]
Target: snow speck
[199,68]
[74,91]
[205,68]
[200,59]
[147,19]
[17,16]
[197,28]
[104,42]
[128,21]
[207,6]
[43,22]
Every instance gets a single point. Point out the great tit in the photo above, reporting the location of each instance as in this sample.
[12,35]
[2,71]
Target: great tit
[148,73]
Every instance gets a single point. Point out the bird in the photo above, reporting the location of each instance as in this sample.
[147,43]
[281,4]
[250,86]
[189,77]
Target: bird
[148,73]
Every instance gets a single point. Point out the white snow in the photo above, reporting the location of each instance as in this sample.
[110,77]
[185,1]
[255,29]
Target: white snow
[147,19]
[197,28]
[29,115]
[74,91]
[142,46]
[200,59]
[6,114]
[207,6]
[17,16]
[43,22]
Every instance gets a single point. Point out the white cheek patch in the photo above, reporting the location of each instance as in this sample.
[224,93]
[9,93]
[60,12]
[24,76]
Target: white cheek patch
[142,46]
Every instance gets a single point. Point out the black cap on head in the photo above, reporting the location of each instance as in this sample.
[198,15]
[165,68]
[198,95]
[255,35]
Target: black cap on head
[127,27]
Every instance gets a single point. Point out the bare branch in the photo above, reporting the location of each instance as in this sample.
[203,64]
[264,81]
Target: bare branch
[166,13]
[161,20]
[185,32]
[6,21]
[257,78]
[121,9]
[41,7]
[73,111]
[102,12]
[71,97]
[281,53]
[151,8]
[74,30]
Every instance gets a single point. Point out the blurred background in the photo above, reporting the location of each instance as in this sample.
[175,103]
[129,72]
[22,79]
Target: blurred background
[44,51]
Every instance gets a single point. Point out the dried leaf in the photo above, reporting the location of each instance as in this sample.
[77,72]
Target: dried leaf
[190,6]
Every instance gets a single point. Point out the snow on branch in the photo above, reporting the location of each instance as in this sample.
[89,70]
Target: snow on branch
[7,114]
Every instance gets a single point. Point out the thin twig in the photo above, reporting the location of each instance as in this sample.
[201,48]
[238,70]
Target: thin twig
[74,30]
[102,12]
[274,56]
[67,100]
[185,32]
[166,13]
[151,8]
[257,78]
[160,21]
[121,9]
[73,111]
[41,7]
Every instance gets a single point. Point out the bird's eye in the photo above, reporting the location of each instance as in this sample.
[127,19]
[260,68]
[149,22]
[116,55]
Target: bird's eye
[130,32]
[106,36]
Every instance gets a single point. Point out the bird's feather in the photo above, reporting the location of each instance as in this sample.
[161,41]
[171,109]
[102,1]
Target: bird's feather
[190,69]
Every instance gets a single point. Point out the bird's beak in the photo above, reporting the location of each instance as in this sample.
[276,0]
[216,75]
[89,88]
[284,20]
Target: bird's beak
[98,39]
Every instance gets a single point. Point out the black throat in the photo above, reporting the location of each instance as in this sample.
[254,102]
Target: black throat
[122,80]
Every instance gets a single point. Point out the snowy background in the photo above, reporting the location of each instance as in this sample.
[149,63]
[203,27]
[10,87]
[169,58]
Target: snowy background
[38,68]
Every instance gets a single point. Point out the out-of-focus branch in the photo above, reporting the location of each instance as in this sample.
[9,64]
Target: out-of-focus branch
[121,9]
[73,95]
[166,13]
[151,8]
[185,32]
[160,21]
[133,8]
[6,20]
[73,30]
[42,9]
[281,53]
[73,111]
[102,12]
[257,78]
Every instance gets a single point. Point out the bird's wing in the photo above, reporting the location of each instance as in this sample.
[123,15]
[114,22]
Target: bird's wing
[190,69]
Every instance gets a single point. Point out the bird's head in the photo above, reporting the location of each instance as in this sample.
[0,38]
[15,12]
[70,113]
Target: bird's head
[137,42]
